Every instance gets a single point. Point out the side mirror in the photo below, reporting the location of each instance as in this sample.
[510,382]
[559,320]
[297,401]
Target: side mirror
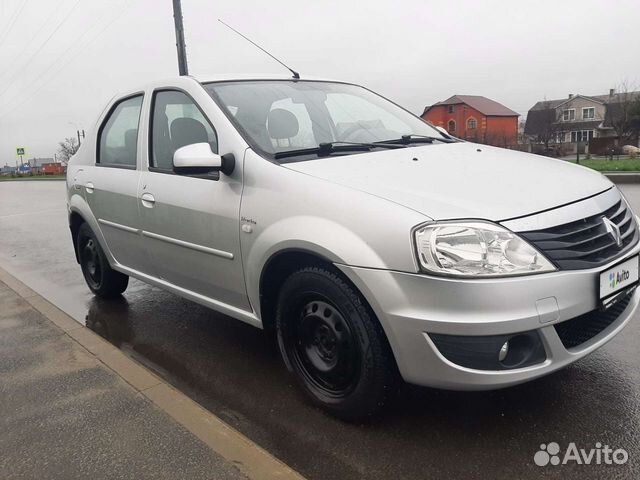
[196,156]
[197,159]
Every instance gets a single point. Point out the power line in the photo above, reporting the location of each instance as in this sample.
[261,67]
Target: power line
[26,47]
[55,30]
[127,5]
[13,20]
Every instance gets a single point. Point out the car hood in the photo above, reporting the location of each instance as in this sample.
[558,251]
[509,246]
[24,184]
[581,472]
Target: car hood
[461,180]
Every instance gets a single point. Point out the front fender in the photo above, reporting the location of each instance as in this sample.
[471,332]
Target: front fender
[319,236]
[283,209]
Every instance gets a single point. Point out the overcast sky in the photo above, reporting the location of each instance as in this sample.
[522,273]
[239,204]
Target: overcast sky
[62,60]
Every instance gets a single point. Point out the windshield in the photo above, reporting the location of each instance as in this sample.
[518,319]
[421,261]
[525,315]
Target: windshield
[277,116]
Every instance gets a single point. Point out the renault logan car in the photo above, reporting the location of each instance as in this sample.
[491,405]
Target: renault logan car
[375,247]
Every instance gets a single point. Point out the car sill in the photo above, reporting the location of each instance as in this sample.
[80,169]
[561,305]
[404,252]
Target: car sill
[238,313]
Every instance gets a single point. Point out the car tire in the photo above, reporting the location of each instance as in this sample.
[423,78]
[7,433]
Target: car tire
[100,277]
[334,345]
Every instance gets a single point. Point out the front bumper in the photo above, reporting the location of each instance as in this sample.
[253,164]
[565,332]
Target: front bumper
[412,306]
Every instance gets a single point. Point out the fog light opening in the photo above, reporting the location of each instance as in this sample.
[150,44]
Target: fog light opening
[491,352]
[504,351]
[518,350]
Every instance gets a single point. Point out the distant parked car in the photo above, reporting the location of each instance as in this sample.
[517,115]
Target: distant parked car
[372,245]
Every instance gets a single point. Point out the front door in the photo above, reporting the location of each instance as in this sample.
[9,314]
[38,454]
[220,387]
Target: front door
[190,225]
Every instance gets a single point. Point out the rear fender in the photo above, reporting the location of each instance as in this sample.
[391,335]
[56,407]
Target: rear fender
[79,205]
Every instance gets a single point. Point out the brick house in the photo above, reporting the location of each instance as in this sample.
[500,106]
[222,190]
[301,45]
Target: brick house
[475,118]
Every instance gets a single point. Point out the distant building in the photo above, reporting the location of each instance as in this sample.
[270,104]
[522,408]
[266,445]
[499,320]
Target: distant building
[34,166]
[475,118]
[37,163]
[52,168]
[577,118]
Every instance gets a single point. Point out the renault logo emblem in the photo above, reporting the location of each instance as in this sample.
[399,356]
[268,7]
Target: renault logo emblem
[613,230]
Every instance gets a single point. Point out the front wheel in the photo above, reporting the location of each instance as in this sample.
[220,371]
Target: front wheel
[334,345]
[100,277]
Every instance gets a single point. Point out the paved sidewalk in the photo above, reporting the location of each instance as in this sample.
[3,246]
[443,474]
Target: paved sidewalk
[65,414]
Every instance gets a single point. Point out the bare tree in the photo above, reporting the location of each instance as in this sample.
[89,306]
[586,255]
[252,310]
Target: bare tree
[67,149]
[635,119]
[548,125]
[521,135]
[623,113]
[542,124]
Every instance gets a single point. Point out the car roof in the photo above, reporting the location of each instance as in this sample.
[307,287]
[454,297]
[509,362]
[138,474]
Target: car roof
[209,78]
[206,78]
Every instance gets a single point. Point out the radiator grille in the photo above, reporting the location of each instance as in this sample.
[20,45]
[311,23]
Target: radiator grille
[586,243]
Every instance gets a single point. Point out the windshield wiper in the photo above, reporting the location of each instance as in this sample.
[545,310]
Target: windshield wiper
[416,138]
[327,148]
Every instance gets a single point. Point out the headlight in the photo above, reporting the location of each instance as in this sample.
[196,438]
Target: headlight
[476,249]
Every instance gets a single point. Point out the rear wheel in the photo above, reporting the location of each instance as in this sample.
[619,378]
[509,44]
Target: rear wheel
[100,277]
[334,345]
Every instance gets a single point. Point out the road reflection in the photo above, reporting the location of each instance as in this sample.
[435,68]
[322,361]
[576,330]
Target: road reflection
[235,371]
[110,320]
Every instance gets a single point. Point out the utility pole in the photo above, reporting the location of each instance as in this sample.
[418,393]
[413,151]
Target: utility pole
[182,52]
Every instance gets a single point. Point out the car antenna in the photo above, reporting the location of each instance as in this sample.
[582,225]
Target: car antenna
[296,75]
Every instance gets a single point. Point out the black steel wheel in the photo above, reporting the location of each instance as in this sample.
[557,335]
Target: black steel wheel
[100,277]
[325,349]
[333,344]
[91,263]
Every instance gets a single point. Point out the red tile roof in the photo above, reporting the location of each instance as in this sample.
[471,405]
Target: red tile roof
[484,105]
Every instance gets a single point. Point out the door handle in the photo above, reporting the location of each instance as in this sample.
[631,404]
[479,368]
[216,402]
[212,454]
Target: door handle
[147,200]
[89,187]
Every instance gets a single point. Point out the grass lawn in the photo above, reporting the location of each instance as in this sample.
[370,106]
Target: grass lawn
[604,165]
[9,178]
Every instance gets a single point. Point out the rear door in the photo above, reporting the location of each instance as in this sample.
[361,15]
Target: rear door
[190,225]
[111,185]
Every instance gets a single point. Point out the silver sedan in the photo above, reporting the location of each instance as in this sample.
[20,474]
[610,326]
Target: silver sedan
[374,247]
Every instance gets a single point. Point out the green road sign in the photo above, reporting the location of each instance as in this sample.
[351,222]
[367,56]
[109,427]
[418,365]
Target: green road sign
[20,151]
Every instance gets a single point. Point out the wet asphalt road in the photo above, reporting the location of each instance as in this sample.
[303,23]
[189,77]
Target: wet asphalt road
[234,371]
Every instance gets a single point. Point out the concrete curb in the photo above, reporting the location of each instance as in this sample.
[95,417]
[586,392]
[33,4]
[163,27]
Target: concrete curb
[623,177]
[251,459]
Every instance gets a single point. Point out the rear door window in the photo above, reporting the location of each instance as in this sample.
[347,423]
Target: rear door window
[118,138]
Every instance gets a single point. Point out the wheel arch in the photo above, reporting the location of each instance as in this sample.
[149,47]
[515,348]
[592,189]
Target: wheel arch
[286,261]
[75,221]
[276,269]
[80,212]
